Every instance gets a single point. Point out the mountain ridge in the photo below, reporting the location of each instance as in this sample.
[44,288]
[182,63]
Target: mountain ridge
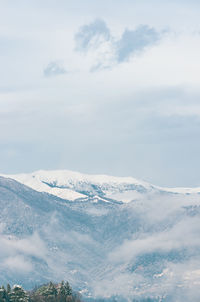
[72,185]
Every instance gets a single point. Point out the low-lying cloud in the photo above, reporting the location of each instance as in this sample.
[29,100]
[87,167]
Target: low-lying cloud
[16,253]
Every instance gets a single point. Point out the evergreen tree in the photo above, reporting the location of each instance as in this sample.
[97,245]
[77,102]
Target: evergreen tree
[18,294]
[8,288]
[8,292]
[68,289]
[50,292]
[47,293]
[3,294]
[62,292]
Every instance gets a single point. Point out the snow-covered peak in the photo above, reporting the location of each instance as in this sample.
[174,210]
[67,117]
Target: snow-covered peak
[41,184]
[67,177]
[72,185]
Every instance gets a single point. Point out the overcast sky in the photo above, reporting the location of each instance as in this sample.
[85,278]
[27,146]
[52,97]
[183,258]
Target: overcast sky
[101,86]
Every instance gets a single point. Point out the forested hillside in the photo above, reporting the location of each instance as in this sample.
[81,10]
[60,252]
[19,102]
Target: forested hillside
[50,292]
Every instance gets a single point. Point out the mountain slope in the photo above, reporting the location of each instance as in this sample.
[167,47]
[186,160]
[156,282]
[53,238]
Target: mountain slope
[145,248]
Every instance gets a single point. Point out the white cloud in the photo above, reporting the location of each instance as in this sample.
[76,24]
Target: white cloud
[165,241]
[17,264]
[15,253]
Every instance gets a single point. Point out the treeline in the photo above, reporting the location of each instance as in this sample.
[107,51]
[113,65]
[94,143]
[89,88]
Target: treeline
[50,292]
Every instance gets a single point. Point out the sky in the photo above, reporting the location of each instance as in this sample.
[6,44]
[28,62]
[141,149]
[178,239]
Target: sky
[104,87]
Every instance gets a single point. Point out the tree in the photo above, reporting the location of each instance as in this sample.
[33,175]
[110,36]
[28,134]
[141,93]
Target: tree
[68,289]
[8,289]
[46,293]
[50,292]
[3,294]
[8,292]
[62,292]
[65,292]
[18,294]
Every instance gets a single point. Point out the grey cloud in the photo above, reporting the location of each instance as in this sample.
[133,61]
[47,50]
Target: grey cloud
[135,41]
[97,37]
[54,69]
[92,35]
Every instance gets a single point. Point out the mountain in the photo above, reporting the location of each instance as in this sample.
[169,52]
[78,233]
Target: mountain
[108,236]
[73,185]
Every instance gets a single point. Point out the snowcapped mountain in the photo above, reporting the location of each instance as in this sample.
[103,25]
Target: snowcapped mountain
[107,236]
[73,185]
